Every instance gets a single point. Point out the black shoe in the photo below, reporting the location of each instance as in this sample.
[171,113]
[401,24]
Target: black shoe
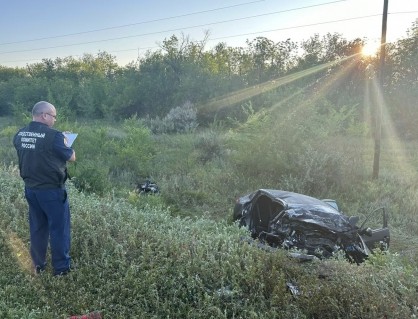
[62,273]
[39,269]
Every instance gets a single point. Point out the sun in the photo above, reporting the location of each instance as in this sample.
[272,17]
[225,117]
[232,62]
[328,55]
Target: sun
[370,49]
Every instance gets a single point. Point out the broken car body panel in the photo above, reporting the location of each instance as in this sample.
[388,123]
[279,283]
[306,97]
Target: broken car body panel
[296,221]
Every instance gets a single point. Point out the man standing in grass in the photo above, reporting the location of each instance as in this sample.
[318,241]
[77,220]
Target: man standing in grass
[43,156]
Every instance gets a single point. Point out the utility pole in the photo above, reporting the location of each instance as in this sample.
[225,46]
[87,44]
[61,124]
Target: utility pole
[378,133]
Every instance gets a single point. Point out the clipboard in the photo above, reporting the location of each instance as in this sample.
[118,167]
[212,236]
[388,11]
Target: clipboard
[70,138]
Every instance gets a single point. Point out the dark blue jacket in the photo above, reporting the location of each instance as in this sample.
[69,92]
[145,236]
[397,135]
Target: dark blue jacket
[42,156]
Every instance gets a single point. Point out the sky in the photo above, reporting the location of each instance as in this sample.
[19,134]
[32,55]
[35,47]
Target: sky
[32,30]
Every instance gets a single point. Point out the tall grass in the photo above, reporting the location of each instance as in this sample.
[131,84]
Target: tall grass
[144,263]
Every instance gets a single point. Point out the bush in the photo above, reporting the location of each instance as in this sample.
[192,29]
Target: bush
[131,149]
[91,177]
[181,119]
[110,156]
[315,170]
[210,145]
[7,151]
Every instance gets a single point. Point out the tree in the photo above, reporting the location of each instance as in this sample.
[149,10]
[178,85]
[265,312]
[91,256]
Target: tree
[268,59]
[402,82]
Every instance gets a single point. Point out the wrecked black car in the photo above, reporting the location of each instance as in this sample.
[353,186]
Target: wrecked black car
[305,224]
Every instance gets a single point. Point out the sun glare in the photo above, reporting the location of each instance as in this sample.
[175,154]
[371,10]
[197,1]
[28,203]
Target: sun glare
[370,49]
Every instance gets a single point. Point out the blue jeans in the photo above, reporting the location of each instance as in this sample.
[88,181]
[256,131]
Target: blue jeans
[49,220]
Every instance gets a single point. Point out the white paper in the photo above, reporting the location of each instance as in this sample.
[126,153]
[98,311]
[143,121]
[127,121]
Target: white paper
[70,138]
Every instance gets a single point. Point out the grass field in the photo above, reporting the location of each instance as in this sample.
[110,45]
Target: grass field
[180,256]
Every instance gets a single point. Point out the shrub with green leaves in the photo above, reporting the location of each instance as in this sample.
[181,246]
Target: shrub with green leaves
[130,149]
[7,151]
[210,145]
[110,156]
[181,119]
[91,177]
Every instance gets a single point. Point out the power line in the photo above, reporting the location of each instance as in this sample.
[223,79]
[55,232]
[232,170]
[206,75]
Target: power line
[208,24]
[213,23]
[301,26]
[182,28]
[164,19]
[232,36]
[131,24]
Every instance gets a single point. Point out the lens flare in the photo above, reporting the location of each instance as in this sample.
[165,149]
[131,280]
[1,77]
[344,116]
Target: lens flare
[370,49]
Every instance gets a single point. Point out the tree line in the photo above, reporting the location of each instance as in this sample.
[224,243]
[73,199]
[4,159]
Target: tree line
[183,72]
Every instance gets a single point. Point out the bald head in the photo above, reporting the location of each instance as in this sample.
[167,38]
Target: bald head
[44,112]
[42,107]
